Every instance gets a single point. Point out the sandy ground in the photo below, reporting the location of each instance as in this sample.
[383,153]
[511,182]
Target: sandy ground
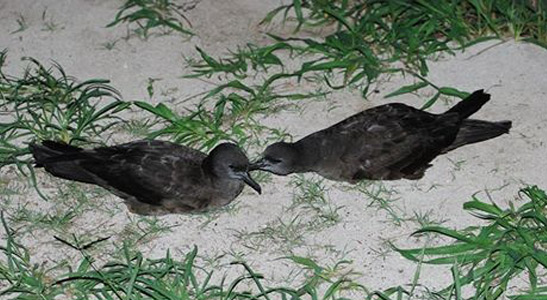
[255,227]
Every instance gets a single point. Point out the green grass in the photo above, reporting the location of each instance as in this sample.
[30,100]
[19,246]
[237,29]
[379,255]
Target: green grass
[381,37]
[488,258]
[47,104]
[69,202]
[203,128]
[109,45]
[375,38]
[145,15]
[364,41]
[381,197]
[231,109]
[368,41]
[485,258]
[310,213]
[135,277]
[423,218]
[281,235]
[21,23]
[49,23]
[418,26]
[139,128]
[142,230]
[312,196]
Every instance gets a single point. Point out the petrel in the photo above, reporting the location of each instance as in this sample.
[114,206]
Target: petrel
[387,142]
[153,177]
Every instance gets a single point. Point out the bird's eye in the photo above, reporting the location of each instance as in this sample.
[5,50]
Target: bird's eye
[235,168]
[273,160]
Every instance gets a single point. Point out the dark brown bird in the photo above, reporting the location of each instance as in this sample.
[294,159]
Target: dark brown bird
[154,177]
[387,142]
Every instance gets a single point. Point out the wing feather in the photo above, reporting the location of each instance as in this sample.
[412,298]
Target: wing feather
[395,140]
[150,171]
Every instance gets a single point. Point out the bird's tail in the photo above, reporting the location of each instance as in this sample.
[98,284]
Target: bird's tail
[50,151]
[61,160]
[470,105]
[474,131]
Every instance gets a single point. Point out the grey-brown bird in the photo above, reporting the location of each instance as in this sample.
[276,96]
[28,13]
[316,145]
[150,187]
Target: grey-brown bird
[153,177]
[387,142]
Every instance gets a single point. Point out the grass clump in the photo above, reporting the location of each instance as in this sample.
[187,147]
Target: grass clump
[18,275]
[203,129]
[488,258]
[485,258]
[249,91]
[230,110]
[382,197]
[47,104]
[375,37]
[311,196]
[310,213]
[371,38]
[151,14]
[231,118]
[136,277]
[421,27]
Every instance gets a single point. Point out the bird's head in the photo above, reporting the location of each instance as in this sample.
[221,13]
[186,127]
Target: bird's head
[280,158]
[228,161]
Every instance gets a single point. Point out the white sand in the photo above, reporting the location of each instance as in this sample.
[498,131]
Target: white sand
[514,73]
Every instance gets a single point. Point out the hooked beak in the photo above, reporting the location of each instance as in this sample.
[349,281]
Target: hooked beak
[246,177]
[258,165]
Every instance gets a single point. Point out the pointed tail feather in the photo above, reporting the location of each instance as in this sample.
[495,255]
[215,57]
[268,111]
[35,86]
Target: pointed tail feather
[49,150]
[470,105]
[61,147]
[60,160]
[474,131]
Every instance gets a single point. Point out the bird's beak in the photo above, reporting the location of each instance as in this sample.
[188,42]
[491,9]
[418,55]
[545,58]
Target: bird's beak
[258,165]
[246,177]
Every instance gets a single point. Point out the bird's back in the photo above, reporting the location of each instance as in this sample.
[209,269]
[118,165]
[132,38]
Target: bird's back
[390,141]
[149,175]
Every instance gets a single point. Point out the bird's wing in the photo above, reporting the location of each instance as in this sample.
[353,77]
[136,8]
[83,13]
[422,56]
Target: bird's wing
[158,147]
[396,138]
[147,170]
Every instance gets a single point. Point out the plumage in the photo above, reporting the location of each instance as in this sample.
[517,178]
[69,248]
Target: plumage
[154,177]
[387,142]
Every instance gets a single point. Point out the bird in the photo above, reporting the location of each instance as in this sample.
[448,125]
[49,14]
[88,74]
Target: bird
[387,142]
[153,177]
